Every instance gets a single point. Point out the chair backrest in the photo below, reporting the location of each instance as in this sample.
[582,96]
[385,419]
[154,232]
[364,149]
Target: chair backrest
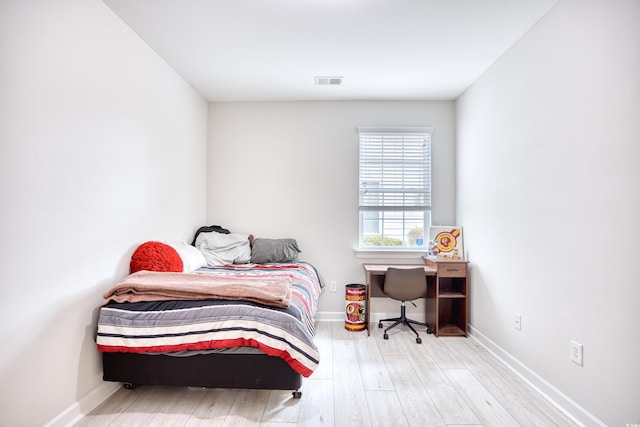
[405,284]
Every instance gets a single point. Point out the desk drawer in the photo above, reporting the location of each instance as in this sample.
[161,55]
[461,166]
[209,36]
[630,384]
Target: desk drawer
[452,269]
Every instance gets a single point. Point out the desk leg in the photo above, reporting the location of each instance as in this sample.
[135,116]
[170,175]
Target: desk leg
[367,310]
[431,308]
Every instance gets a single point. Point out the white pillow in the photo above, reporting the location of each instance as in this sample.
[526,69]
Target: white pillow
[192,258]
[223,249]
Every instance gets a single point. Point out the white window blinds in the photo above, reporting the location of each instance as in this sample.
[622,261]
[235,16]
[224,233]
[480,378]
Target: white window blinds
[395,169]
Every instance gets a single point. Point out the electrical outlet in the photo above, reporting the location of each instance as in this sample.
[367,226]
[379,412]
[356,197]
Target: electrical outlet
[517,321]
[576,353]
[333,285]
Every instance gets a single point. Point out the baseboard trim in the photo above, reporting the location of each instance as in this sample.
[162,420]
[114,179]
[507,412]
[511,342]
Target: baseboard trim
[564,403]
[78,410]
[330,316]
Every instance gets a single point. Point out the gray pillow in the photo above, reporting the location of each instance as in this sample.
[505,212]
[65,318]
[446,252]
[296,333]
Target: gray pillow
[265,251]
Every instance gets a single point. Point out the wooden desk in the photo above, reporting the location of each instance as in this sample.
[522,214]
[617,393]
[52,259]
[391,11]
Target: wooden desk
[374,279]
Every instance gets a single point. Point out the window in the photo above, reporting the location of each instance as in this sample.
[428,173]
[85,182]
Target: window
[395,187]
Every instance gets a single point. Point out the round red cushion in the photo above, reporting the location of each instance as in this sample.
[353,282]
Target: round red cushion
[155,256]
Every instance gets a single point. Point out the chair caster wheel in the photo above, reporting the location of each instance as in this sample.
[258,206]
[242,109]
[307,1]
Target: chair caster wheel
[419,340]
[380,325]
[385,336]
[429,331]
[129,386]
[296,394]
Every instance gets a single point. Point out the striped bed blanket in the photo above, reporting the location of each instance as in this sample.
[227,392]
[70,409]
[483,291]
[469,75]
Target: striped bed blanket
[178,325]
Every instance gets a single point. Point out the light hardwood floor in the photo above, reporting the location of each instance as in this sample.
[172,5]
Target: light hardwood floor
[361,381]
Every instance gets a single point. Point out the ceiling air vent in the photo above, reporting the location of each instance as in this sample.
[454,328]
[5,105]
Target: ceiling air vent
[328,80]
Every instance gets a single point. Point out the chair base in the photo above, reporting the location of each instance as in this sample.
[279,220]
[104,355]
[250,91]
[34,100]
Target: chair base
[404,321]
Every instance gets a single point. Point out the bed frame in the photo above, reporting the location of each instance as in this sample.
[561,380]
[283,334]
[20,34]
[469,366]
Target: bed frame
[214,370]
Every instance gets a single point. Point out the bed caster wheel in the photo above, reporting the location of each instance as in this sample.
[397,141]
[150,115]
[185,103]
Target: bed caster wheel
[129,386]
[429,331]
[380,325]
[385,336]
[419,340]
[296,394]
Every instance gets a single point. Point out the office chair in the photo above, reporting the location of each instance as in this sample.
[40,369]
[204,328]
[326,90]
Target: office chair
[404,284]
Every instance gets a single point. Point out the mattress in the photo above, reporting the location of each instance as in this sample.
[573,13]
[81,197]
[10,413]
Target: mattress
[182,327]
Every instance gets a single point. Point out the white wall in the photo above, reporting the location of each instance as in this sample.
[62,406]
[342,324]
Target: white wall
[549,195]
[102,147]
[290,169]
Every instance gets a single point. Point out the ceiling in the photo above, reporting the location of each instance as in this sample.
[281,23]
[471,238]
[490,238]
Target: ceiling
[271,50]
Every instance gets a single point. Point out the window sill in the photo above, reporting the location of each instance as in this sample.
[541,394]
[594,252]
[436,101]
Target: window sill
[389,253]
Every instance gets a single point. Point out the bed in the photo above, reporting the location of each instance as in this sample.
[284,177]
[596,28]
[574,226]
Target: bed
[226,326]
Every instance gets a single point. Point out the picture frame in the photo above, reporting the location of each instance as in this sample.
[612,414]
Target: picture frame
[448,241]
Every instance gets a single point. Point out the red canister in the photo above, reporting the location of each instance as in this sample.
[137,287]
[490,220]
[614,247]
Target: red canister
[355,296]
